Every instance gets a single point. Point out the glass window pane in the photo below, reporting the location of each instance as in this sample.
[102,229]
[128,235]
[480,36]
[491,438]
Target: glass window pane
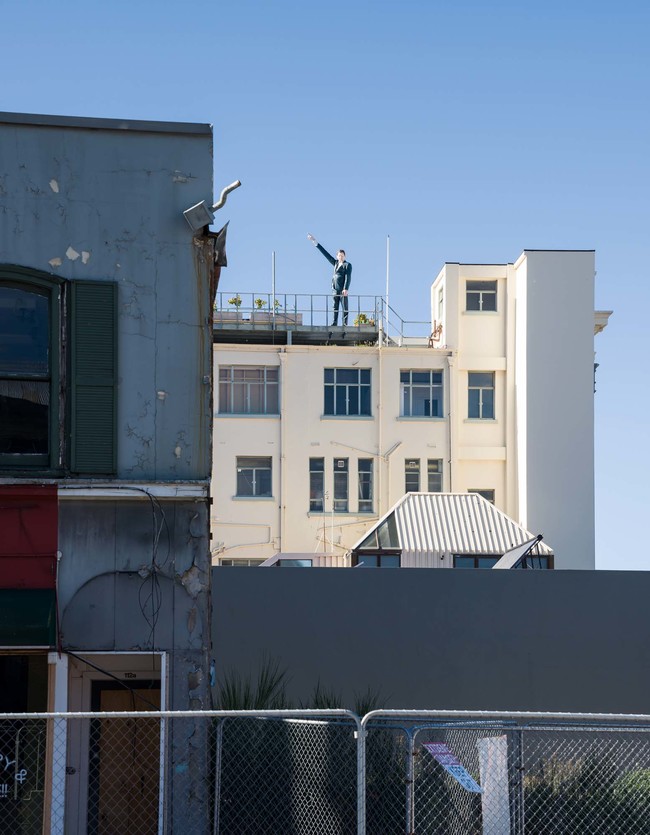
[365,465]
[329,375]
[272,405]
[341,405]
[255,399]
[364,376]
[224,398]
[244,482]
[463,562]
[328,408]
[317,464]
[486,562]
[489,301]
[263,482]
[389,561]
[406,401]
[224,374]
[364,406]
[473,301]
[367,560]
[481,379]
[405,376]
[421,401]
[353,400]
[488,404]
[239,406]
[24,417]
[24,332]
[473,405]
[347,375]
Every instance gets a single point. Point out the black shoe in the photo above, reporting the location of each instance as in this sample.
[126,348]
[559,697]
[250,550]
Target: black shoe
[334,325]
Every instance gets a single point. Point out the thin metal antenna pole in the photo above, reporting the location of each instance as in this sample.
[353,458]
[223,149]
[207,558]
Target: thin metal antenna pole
[387,281]
[273,286]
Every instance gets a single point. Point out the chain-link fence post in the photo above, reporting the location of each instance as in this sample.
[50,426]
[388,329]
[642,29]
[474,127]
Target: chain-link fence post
[361,734]
[410,780]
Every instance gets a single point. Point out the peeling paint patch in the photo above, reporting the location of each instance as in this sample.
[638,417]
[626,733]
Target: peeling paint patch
[85,256]
[71,253]
[191,620]
[55,262]
[191,580]
[177,451]
[161,395]
[54,186]
[179,177]
[195,679]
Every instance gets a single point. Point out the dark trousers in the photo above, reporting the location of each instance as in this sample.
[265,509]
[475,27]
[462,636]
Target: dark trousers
[337,297]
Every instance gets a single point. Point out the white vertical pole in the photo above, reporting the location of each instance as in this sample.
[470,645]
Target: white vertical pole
[59,742]
[273,285]
[387,280]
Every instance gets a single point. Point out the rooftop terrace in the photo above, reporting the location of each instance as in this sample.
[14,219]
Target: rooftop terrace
[303,319]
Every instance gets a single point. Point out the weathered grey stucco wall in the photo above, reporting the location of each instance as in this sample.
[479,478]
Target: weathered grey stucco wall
[104,200]
[570,640]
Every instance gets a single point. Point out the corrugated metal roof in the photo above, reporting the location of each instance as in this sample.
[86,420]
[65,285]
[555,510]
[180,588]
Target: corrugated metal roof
[456,523]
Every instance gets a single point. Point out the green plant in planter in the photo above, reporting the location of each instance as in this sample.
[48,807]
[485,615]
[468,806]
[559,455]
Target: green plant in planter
[364,319]
[260,304]
[235,301]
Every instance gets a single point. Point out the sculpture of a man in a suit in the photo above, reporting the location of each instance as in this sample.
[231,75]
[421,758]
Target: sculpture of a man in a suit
[340,280]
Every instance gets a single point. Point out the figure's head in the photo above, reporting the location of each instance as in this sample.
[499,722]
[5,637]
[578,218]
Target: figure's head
[341,255]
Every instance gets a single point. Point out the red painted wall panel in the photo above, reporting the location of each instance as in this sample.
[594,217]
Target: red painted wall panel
[29,532]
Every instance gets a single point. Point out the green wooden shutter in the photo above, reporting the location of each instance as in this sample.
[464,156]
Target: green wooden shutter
[93,377]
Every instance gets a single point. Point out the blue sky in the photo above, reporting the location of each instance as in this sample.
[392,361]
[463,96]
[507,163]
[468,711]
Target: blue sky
[467,131]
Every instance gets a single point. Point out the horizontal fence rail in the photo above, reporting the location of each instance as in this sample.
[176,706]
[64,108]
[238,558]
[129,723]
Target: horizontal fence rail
[322,772]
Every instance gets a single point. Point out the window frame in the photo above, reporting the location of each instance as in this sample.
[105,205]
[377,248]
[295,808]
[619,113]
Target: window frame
[484,290]
[413,469]
[233,385]
[365,480]
[334,387]
[32,281]
[378,554]
[481,491]
[407,390]
[476,558]
[439,472]
[315,475]
[343,499]
[240,467]
[481,406]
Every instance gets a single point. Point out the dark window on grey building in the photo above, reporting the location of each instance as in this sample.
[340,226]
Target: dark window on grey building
[45,325]
[474,561]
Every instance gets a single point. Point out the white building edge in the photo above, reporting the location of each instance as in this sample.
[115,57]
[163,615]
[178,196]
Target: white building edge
[318,434]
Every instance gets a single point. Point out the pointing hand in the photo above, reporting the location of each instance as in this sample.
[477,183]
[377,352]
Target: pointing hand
[312,239]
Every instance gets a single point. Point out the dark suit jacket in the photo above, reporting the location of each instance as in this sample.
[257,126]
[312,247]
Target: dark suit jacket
[342,272]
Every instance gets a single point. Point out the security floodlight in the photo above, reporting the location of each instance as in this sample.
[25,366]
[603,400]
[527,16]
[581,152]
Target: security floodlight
[202,215]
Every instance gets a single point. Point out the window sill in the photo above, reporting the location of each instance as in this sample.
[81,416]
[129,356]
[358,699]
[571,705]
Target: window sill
[427,418]
[365,513]
[253,498]
[346,417]
[237,415]
[480,312]
[480,420]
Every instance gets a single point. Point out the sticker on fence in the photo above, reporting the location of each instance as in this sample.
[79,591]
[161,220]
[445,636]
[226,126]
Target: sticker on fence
[452,765]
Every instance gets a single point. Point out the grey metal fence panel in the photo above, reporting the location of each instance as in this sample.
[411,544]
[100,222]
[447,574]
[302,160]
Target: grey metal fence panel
[507,775]
[324,773]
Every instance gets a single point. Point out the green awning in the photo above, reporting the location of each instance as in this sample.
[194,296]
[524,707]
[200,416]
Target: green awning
[27,617]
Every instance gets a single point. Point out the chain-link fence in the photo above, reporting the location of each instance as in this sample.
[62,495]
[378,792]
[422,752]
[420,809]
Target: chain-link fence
[324,773]
[516,774]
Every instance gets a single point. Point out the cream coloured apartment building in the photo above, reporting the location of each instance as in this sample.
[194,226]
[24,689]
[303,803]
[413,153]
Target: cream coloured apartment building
[317,434]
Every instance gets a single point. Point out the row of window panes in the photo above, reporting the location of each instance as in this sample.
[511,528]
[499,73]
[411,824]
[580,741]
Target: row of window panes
[254,391]
[254,480]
